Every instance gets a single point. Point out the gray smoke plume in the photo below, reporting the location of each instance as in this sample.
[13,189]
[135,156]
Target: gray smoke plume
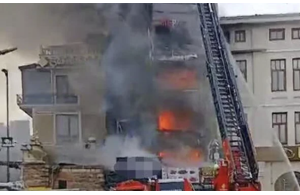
[27,26]
[133,89]
[104,155]
[125,67]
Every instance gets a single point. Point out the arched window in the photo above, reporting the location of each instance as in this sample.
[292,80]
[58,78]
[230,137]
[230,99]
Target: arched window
[288,182]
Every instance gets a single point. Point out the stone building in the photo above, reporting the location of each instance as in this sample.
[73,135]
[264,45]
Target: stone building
[63,95]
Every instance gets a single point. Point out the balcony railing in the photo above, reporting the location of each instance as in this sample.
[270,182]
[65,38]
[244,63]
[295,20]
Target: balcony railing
[44,99]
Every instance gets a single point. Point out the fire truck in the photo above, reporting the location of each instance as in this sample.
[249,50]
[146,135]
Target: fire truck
[238,170]
[155,185]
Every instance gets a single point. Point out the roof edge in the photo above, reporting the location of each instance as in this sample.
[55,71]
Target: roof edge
[29,66]
[262,18]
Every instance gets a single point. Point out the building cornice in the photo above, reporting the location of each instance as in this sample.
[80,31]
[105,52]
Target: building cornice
[258,19]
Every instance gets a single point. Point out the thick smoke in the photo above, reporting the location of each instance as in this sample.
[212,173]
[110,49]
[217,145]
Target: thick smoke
[132,88]
[27,26]
[104,155]
[128,74]
[123,79]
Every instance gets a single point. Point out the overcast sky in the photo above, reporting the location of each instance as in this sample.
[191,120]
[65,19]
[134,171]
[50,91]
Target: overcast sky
[233,9]
[12,61]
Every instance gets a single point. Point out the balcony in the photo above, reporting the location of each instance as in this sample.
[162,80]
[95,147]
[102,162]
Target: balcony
[46,99]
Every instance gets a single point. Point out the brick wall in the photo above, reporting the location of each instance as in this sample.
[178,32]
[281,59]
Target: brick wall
[80,177]
[35,175]
[76,177]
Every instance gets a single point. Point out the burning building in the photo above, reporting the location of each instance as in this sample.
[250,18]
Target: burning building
[182,126]
[164,99]
[161,94]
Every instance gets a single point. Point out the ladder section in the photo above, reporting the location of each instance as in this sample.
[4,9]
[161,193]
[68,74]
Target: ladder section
[245,132]
[224,103]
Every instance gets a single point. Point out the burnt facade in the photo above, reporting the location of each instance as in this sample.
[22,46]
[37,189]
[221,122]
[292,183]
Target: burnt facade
[163,87]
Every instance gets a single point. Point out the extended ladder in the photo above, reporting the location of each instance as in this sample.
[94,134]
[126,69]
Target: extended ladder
[226,98]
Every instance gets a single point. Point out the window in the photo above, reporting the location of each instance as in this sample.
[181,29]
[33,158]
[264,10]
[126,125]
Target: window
[296,74]
[227,36]
[279,124]
[240,36]
[297,127]
[278,75]
[62,184]
[242,64]
[67,128]
[295,33]
[64,92]
[276,34]
[246,117]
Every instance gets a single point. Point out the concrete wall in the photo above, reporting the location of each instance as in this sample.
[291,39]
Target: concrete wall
[91,125]
[259,77]
[271,172]
[43,125]
[265,101]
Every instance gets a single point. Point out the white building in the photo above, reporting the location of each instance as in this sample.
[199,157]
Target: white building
[267,50]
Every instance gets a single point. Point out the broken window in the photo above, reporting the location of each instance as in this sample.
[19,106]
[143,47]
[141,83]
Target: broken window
[162,30]
[64,92]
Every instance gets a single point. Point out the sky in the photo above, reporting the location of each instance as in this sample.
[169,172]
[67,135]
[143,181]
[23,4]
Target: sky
[13,60]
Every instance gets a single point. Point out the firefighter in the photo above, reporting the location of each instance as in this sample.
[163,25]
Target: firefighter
[216,168]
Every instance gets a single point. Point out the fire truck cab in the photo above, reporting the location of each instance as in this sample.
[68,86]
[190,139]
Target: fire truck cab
[155,185]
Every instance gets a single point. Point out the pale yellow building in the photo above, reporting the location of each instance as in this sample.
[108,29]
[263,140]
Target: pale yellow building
[267,50]
[63,93]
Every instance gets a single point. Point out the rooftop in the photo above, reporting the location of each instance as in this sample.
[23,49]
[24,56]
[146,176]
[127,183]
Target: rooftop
[260,18]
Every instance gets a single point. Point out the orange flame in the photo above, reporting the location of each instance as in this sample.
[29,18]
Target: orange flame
[193,155]
[169,120]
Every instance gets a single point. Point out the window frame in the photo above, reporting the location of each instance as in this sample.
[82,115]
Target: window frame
[70,90]
[296,114]
[236,32]
[227,35]
[245,74]
[292,33]
[78,122]
[64,98]
[281,123]
[276,30]
[297,69]
[275,70]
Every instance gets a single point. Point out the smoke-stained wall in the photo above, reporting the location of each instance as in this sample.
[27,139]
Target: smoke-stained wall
[130,76]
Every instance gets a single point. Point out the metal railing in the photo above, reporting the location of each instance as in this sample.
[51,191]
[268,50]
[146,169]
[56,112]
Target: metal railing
[44,99]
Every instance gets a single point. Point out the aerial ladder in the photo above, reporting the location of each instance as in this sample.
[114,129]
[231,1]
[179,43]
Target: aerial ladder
[239,171]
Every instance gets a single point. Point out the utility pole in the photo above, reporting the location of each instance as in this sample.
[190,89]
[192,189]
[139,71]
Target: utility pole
[5,71]
[7,141]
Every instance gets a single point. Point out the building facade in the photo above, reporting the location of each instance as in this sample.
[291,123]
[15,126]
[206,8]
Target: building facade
[266,50]
[63,95]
